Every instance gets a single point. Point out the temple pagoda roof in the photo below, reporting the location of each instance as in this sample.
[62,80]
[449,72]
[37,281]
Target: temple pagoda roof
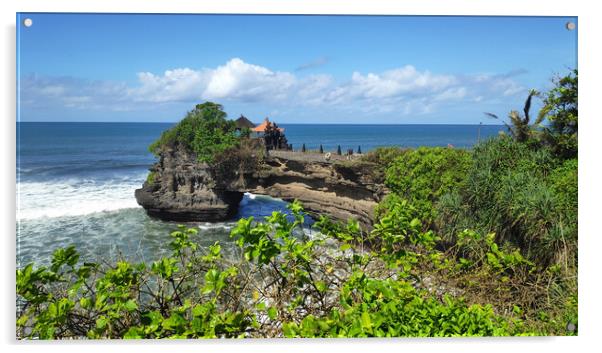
[243,122]
[261,127]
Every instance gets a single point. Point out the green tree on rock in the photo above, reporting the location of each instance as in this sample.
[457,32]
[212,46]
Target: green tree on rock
[204,131]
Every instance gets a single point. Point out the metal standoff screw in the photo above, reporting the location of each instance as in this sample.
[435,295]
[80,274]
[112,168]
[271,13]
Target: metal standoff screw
[570,26]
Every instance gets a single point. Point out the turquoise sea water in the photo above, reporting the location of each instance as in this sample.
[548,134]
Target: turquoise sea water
[76,182]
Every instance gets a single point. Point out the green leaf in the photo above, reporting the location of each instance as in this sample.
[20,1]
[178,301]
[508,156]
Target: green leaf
[22,320]
[130,305]
[152,320]
[101,322]
[85,303]
[272,313]
[174,322]
[366,321]
[321,286]
[133,333]
[289,329]
[415,223]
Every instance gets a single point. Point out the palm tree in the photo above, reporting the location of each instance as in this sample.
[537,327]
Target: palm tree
[519,126]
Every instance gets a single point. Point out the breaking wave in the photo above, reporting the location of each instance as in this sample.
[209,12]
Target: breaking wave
[73,197]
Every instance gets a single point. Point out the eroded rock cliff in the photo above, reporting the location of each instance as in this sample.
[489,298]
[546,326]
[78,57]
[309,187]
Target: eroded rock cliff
[336,189]
[183,189]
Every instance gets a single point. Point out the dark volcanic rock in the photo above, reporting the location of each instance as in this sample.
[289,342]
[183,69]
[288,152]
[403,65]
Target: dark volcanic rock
[334,189]
[184,190]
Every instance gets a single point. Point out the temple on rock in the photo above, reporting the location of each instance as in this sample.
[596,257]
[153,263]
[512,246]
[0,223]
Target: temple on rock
[272,135]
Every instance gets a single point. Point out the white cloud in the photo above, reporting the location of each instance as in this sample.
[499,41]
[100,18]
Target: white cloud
[312,89]
[400,84]
[53,90]
[246,82]
[77,101]
[235,80]
[42,92]
[404,90]
[452,93]
[174,85]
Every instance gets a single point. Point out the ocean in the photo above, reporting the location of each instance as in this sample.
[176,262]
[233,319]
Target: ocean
[76,182]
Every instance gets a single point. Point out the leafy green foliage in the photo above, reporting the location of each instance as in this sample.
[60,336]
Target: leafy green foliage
[286,283]
[424,174]
[204,131]
[381,158]
[389,308]
[475,249]
[564,182]
[398,228]
[522,195]
[561,110]
[130,300]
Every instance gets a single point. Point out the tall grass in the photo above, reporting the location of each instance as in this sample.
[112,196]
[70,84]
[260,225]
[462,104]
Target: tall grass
[526,196]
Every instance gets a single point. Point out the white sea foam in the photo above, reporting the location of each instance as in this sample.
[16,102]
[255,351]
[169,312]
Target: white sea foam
[211,226]
[74,197]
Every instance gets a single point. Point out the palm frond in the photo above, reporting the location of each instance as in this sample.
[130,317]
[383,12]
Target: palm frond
[491,115]
[542,115]
[515,117]
[528,106]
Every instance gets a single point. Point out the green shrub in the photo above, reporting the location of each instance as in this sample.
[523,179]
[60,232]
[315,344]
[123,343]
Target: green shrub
[204,131]
[177,296]
[285,283]
[383,155]
[514,191]
[561,110]
[564,182]
[425,174]
[399,226]
[389,308]
[381,158]
[483,250]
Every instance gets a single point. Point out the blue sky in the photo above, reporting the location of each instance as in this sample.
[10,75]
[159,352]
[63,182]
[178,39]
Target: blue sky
[295,69]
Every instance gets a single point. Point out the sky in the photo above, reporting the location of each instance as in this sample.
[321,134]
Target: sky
[294,69]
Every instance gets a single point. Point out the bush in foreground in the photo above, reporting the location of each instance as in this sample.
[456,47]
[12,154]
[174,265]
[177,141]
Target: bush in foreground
[284,284]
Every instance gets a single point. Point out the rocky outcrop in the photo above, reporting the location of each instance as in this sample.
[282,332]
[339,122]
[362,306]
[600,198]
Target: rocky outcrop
[339,190]
[185,190]
[182,189]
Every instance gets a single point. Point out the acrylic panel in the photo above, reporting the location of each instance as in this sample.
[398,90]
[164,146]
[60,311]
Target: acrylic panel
[269,176]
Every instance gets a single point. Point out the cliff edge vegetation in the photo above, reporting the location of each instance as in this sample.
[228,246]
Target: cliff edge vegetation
[205,131]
